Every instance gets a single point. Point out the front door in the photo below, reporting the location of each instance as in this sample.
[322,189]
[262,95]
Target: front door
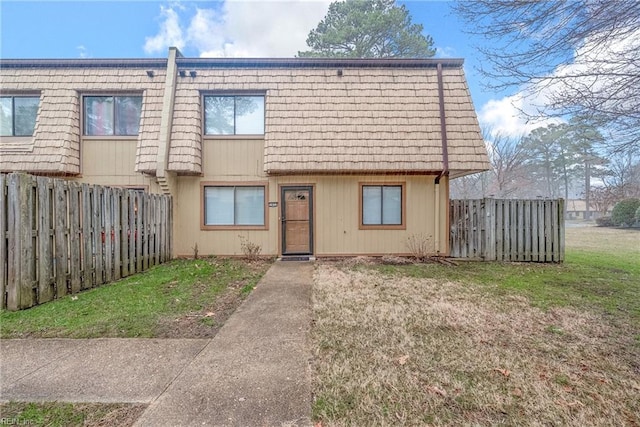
[297,220]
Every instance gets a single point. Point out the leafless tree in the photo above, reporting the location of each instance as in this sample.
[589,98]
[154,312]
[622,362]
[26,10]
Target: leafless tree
[470,186]
[574,56]
[507,177]
[623,174]
[603,198]
[507,157]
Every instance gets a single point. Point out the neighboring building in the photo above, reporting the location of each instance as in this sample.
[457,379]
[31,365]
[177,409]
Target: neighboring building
[577,209]
[301,156]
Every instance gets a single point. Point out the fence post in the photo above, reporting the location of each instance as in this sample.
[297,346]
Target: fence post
[107,237]
[490,226]
[98,234]
[117,259]
[45,253]
[61,246]
[88,279]
[74,236]
[14,219]
[21,274]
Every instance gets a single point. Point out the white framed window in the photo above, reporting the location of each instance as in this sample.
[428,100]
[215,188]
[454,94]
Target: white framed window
[106,115]
[382,206]
[234,114]
[234,206]
[18,115]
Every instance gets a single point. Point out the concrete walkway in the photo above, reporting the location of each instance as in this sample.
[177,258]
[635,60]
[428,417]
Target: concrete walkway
[254,372]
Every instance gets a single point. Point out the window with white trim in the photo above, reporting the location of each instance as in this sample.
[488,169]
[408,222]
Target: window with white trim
[112,115]
[381,205]
[18,115]
[234,205]
[234,114]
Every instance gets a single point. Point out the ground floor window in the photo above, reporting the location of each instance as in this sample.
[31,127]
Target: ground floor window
[381,206]
[237,205]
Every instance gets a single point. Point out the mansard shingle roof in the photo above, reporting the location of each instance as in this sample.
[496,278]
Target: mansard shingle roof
[322,115]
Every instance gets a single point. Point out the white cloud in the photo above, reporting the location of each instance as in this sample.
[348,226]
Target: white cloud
[170,33]
[82,51]
[512,116]
[238,28]
[601,66]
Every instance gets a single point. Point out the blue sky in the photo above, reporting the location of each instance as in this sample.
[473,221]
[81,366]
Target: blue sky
[126,29]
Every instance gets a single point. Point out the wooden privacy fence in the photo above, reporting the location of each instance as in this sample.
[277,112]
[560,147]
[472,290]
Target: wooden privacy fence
[507,230]
[59,237]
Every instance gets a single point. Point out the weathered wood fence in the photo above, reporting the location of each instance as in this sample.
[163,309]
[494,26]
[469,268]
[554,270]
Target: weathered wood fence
[507,230]
[59,237]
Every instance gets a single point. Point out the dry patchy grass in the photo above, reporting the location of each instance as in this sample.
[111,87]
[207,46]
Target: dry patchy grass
[394,350]
[613,240]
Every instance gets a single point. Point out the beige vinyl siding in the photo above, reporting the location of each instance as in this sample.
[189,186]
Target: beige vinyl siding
[112,162]
[233,159]
[336,209]
[337,213]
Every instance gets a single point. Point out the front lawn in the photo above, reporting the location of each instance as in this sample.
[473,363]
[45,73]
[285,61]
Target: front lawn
[482,343]
[182,298]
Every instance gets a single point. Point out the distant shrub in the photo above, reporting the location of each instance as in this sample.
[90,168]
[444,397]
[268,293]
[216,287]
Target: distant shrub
[604,221]
[624,212]
[638,215]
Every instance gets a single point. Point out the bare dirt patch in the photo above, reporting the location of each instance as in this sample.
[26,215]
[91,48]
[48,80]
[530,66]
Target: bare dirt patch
[392,350]
[206,322]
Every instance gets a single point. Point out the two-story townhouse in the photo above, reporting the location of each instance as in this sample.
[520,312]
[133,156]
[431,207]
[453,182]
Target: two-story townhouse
[322,157]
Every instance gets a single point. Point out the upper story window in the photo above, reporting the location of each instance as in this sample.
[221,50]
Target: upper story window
[234,114]
[112,115]
[18,115]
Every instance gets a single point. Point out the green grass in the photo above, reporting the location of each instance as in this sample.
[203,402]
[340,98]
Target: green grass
[132,307]
[586,279]
[58,414]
